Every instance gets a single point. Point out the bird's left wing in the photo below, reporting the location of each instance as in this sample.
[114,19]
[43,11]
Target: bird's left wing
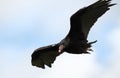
[84,19]
[45,56]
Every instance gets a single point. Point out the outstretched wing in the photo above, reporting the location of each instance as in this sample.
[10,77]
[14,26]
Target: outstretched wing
[45,56]
[84,19]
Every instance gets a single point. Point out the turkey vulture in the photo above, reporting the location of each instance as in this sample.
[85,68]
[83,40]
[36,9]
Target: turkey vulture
[76,41]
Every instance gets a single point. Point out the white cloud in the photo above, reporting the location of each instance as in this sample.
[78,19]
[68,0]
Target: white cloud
[74,66]
[114,67]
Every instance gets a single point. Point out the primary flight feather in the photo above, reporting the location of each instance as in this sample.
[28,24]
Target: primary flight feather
[76,41]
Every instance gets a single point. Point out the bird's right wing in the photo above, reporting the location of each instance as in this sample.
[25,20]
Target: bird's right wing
[45,56]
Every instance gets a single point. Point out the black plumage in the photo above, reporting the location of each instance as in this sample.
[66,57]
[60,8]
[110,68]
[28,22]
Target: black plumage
[76,41]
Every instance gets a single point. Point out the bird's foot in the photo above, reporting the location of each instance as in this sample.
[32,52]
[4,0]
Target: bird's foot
[89,49]
[92,42]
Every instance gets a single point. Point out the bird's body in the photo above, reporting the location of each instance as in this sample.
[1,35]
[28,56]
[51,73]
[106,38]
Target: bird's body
[75,46]
[76,41]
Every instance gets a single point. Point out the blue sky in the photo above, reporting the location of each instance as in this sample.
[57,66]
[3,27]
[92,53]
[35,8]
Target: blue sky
[28,24]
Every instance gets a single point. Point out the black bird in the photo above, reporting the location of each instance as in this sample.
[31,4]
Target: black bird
[76,41]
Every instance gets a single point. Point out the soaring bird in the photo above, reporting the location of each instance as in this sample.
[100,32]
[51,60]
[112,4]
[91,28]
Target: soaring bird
[76,41]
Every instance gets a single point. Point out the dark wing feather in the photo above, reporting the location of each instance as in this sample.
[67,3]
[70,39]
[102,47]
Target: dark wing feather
[84,19]
[45,56]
